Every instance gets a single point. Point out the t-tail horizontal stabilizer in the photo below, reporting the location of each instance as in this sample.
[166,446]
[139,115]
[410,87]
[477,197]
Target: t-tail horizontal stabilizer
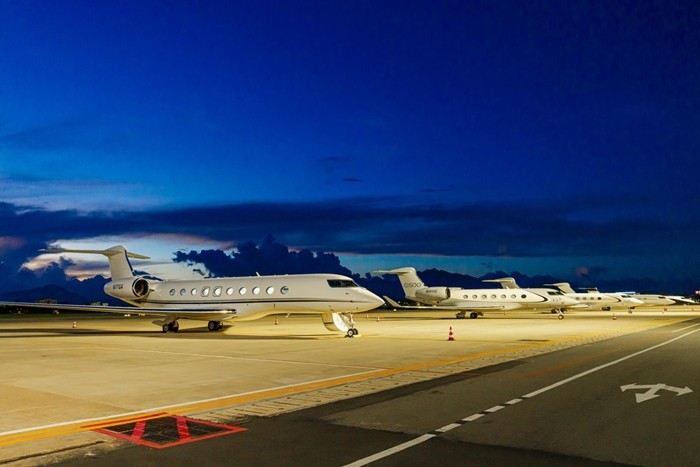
[506,282]
[564,287]
[119,265]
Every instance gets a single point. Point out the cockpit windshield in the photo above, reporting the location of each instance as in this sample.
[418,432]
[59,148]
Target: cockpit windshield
[341,283]
[554,292]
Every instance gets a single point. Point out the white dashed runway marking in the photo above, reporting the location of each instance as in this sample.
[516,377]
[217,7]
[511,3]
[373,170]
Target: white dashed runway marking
[425,437]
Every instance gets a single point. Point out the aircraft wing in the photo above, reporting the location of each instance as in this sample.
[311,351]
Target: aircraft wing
[206,314]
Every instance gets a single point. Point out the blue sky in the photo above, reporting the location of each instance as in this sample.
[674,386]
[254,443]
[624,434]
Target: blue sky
[540,137]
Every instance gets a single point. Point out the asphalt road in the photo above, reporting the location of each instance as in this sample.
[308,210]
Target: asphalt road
[586,405]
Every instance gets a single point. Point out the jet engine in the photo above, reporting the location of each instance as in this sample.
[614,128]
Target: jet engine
[437,294]
[128,289]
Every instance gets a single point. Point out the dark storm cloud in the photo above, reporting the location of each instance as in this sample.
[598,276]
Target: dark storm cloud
[34,224]
[376,226]
[266,259]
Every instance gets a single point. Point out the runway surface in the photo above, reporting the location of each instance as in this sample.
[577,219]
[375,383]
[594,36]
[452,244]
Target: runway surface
[520,389]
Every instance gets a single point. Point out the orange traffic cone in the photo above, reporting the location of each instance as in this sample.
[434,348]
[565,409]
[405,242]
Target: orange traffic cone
[614,317]
[377,318]
[276,322]
[75,325]
[451,337]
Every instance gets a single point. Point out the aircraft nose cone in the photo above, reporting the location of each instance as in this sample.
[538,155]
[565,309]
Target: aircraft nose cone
[376,300]
[373,301]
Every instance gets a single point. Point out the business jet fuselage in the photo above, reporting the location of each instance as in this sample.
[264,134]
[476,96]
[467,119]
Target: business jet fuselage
[248,298]
[476,301]
[654,299]
[216,300]
[595,300]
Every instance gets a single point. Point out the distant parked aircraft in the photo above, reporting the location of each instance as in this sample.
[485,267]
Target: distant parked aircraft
[475,301]
[659,300]
[599,300]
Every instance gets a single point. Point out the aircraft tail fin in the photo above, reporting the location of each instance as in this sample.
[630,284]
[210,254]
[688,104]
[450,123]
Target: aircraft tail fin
[409,280]
[119,265]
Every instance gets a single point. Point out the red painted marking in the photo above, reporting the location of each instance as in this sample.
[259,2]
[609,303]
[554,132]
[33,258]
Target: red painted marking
[182,428]
[139,428]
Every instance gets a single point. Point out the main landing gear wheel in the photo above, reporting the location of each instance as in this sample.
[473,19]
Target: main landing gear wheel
[174,327]
[215,325]
[473,315]
[352,332]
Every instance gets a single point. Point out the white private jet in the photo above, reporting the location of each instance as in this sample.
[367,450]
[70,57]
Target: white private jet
[652,299]
[679,300]
[475,301]
[216,300]
[596,300]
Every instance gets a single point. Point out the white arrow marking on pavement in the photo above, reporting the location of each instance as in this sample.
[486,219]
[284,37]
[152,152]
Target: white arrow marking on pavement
[653,389]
